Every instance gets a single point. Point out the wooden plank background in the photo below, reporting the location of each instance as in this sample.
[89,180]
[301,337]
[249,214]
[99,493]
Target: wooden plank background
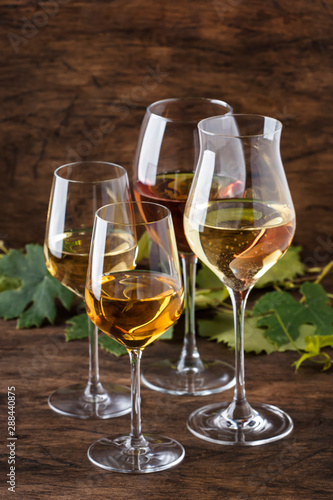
[77,76]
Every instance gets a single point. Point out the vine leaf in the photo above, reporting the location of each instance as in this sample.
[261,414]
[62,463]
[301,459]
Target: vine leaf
[283,316]
[221,328]
[286,269]
[313,351]
[79,329]
[33,300]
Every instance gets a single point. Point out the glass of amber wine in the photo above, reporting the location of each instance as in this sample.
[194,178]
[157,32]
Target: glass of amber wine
[134,306]
[239,231]
[78,190]
[166,156]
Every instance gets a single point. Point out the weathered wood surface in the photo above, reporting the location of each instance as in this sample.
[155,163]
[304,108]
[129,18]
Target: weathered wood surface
[51,450]
[77,75]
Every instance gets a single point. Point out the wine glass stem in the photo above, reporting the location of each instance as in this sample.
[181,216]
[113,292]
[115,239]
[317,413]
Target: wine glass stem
[190,357]
[136,438]
[239,409]
[94,389]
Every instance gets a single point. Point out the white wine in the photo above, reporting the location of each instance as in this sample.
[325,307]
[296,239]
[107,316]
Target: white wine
[171,189]
[134,307]
[67,256]
[241,239]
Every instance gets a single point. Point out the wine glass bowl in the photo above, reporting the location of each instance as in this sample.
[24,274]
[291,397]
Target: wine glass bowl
[78,190]
[166,157]
[239,229]
[134,303]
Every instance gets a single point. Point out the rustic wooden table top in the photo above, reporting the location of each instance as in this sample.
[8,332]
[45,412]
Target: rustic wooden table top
[51,450]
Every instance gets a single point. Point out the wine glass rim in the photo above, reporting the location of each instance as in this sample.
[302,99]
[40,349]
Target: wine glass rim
[239,115]
[150,111]
[85,163]
[137,223]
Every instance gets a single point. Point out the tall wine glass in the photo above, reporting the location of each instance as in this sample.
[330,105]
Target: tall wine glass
[239,229]
[78,190]
[166,156]
[135,306]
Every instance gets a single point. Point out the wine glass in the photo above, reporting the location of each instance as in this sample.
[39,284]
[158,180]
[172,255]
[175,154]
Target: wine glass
[166,156]
[78,190]
[239,230]
[135,306]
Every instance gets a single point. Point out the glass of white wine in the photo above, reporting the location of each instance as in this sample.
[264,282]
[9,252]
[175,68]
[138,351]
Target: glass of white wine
[239,229]
[135,305]
[166,156]
[78,190]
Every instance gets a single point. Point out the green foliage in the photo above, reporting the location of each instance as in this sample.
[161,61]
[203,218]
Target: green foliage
[111,345]
[314,353]
[221,328]
[277,322]
[210,291]
[79,329]
[207,279]
[167,335]
[287,268]
[9,283]
[283,315]
[33,300]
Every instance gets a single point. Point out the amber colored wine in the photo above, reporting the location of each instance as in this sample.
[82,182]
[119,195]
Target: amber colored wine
[241,239]
[134,307]
[171,190]
[67,256]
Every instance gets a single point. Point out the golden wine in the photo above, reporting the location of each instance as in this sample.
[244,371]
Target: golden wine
[134,307]
[67,256]
[241,239]
[171,189]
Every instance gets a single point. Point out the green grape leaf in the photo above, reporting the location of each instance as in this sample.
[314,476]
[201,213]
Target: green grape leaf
[210,291]
[286,269]
[312,349]
[278,322]
[33,300]
[111,345]
[206,278]
[79,329]
[205,299]
[9,283]
[221,328]
[167,335]
[283,316]
[142,247]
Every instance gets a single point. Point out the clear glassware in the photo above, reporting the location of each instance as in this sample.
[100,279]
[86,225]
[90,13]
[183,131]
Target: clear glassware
[239,220]
[78,190]
[134,303]
[166,156]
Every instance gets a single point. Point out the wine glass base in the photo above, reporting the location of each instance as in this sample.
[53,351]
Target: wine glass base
[115,454]
[71,401]
[269,424]
[163,376]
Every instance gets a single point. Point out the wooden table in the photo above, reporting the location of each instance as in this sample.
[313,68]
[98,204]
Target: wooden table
[51,450]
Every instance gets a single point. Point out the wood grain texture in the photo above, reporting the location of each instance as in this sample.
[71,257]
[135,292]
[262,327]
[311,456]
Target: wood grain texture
[77,76]
[51,450]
